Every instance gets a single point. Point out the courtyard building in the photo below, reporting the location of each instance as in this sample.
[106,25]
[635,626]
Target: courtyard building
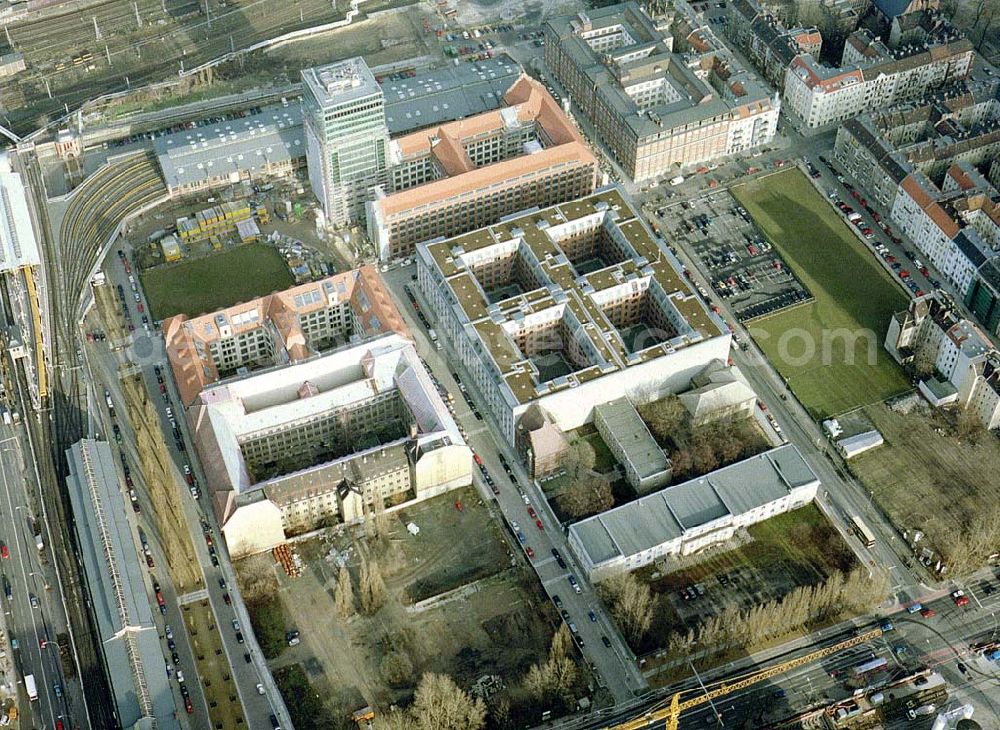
[568,307]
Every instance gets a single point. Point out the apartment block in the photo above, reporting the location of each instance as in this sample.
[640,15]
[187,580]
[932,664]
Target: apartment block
[323,441]
[285,327]
[568,307]
[685,518]
[931,165]
[932,330]
[656,110]
[455,177]
[873,75]
[767,44]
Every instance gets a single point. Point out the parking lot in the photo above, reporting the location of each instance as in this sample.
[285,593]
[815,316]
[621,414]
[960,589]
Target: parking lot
[743,267]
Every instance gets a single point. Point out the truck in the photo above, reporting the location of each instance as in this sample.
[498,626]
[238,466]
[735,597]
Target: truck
[30,687]
[6,418]
[434,337]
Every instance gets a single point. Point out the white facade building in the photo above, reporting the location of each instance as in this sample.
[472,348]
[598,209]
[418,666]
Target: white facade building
[685,518]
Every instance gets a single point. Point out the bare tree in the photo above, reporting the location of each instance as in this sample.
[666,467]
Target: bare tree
[393,720]
[631,604]
[587,492]
[343,594]
[372,586]
[397,669]
[439,704]
[667,418]
[562,642]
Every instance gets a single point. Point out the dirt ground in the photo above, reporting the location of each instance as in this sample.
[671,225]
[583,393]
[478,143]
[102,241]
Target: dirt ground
[923,477]
[224,707]
[381,40]
[493,622]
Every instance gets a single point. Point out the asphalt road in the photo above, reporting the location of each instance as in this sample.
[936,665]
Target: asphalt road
[615,665]
[146,352]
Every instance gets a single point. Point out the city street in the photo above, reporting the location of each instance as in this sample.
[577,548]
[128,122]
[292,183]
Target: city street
[615,665]
[145,353]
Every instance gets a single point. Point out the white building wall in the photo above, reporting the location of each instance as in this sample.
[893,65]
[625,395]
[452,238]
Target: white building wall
[253,528]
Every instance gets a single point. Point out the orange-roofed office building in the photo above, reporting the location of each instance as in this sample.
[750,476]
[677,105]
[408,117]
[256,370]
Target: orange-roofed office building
[280,328]
[455,177]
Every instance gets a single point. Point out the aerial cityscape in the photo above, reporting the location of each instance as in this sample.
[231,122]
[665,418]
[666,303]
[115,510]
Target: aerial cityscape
[500,364]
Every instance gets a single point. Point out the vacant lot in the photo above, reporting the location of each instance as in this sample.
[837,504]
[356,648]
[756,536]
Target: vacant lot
[828,350]
[488,616]
[215,281]
[224,707]
[926,479]
[800,548]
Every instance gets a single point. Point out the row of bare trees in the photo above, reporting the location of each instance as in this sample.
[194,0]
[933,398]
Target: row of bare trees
[631,603]
[841,593]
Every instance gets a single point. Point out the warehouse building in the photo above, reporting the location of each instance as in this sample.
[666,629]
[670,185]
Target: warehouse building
[455,177]
[254,148]
[284,327]
[686,518]
[116,585]
[568,307]
[320,442]
[656,110]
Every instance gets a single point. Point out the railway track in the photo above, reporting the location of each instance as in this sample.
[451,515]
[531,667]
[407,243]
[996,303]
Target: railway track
[147,55]
[96,209]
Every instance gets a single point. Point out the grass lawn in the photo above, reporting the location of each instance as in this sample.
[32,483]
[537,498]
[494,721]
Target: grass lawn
[829,350]
[215,281]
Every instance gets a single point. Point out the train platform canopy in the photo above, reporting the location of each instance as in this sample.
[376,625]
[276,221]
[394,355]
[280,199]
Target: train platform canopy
[18,245]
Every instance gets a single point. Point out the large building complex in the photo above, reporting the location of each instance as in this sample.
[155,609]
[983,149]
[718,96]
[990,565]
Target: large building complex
[117,587]
[462,175]
[568,307]
[685,518]
[932,331]
[873,75]
[346,136]
[654,109]
[324,441]
[288,326]
[925,165]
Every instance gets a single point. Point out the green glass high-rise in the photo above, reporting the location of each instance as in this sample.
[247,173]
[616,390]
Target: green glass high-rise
[346,137]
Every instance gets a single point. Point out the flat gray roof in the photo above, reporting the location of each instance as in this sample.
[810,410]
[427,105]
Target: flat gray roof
[248,143]
[109,542]
[448,93]
[340,82]
[667,514]
[628,429]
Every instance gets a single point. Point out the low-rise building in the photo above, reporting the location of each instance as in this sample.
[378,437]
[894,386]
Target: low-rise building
[116,587]
[932,331]
[656,110]
[568,307]
[623,430]
[325,441]
[718,394]
[285,327]
[261,145]
[872,75]
[11,64]
[461,175]
[686,518]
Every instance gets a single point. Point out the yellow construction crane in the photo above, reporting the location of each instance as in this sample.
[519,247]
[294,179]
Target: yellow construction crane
[670,714]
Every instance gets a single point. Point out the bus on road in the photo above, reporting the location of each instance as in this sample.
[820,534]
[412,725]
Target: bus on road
[866,536]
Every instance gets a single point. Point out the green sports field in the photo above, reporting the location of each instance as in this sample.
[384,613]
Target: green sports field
[829,350]
[215,281]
